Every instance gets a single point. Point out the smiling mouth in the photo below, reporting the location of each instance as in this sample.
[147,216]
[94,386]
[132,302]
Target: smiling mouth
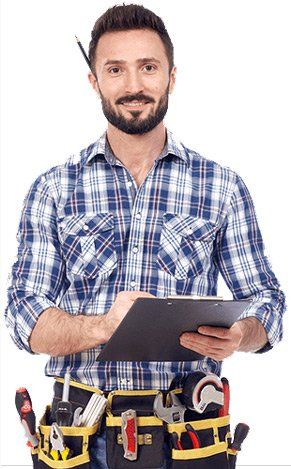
[135,104]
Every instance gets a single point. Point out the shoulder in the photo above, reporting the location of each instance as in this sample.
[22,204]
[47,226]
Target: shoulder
[203,164]
[64,176]
[200,165]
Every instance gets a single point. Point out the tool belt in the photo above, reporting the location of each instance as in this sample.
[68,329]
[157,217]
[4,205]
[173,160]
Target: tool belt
[152,434]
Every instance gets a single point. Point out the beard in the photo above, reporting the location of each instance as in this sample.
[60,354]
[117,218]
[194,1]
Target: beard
[135,125]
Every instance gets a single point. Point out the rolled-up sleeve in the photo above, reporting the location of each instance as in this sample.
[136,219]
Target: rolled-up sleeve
[241,259]
[38,275]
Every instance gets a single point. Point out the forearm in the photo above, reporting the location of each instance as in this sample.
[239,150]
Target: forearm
[59,333]
[254,336]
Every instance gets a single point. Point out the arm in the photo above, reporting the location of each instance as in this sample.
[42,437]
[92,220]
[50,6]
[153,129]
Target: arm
[38,279]
[254,336]
[58,333]
[241,260]
[38,275]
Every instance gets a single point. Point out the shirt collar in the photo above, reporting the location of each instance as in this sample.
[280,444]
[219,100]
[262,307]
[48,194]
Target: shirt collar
[101,147]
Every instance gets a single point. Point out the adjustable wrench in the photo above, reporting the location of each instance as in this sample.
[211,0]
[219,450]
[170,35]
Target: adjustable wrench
[173,414]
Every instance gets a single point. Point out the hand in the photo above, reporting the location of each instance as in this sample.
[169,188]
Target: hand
[214,342]
[123,302]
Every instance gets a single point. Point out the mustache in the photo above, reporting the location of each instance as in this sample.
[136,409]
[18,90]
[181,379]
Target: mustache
[138,97]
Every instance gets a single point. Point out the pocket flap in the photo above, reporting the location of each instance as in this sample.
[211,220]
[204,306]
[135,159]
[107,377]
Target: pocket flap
[198,228]
[84,225]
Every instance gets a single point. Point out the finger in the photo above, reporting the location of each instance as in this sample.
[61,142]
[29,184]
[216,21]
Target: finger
[139,294]
[206,341]
[216,354]
[200,347]
[220,332]
[145,294]
[212,353]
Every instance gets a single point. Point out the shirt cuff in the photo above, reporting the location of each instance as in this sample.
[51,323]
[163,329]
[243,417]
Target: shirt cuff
[26,314]
[269,317]
[264,349]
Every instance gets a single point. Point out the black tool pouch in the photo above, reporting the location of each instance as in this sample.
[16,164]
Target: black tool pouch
[78,439]
[214,438]
[213,451]
[150,430]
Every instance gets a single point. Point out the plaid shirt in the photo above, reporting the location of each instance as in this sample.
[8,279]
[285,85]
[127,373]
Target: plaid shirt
[88,232]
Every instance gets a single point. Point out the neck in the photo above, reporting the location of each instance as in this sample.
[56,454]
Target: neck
[137,152]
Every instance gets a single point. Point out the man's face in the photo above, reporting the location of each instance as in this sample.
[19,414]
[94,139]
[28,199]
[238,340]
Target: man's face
[133,79]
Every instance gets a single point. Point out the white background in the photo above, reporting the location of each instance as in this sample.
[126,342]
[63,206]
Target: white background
[232,104]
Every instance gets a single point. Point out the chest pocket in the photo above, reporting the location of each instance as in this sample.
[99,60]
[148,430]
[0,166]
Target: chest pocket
[88,244]
[185,245]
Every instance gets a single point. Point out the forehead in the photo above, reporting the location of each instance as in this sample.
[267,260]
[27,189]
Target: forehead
[130,46]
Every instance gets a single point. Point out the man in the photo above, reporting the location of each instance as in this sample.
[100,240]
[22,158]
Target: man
[135,214]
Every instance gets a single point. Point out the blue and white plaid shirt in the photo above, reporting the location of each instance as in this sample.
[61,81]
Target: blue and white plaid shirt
[87,232]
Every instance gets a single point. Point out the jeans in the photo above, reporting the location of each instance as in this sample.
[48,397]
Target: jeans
[98,453]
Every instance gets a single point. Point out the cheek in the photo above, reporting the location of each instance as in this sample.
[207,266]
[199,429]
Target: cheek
[111,89]
[159,87]
[156,83]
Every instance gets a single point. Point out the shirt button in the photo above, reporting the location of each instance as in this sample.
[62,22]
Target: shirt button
[129,183]
[138,216]
[135,249]
[132,283]
[190,231]
[85,227]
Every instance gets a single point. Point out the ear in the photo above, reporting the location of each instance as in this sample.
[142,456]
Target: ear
[172,79]
[94,83]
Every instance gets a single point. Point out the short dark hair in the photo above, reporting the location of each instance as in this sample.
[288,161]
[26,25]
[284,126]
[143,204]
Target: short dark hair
[127,17]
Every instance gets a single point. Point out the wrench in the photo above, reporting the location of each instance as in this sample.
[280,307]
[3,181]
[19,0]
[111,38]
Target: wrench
[173,414]
[77,417]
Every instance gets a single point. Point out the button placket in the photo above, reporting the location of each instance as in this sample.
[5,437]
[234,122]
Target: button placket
[136,216]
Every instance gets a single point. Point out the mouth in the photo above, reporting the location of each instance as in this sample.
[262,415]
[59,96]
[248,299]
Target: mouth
[135,104]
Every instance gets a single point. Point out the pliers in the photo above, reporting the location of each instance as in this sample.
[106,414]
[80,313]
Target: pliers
[193,437]
[59,450]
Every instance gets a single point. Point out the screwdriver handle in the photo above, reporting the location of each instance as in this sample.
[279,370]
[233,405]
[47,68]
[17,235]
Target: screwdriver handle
[240,433]
[27,416]
[64,413]
[23,402]
[24,408]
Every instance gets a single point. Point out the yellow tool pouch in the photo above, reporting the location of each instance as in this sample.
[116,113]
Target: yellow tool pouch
[77,439]
[150,430]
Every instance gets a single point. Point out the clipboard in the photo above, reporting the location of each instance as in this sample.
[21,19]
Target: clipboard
[151,329]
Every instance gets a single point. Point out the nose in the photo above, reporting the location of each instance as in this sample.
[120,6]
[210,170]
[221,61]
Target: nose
[133,83]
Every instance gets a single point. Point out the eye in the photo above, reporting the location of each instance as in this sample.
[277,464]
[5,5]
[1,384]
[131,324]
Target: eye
[114,70]
[149,68]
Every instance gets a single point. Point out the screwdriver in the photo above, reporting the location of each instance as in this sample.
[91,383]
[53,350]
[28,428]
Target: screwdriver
[64,413]
[240,433]
[27,416]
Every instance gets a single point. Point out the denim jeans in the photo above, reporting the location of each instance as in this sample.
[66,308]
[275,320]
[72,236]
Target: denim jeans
[98,453]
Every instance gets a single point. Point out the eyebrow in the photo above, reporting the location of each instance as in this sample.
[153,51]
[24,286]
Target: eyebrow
[143,60]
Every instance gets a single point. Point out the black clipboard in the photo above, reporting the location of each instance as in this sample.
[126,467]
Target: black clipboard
[150,331]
